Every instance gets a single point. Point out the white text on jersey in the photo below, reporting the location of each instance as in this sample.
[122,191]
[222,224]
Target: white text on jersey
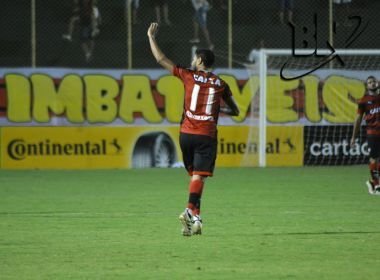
[202,79]
[199,117]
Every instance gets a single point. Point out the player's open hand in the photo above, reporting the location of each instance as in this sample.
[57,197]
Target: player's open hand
[152,30]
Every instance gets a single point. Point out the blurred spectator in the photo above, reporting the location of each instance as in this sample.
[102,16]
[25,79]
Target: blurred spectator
[286,7]
[221,4]
[73,19]
[342,1]
[76,16]
[96,19]
[342,13]
[161,5]
[87,14]
[135,6]
[252,56]
[201,8]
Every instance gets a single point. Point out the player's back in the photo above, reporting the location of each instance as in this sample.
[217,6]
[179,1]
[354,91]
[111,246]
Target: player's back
[203,94]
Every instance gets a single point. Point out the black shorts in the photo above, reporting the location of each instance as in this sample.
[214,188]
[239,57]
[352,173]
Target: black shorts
[374,146]
[198,153]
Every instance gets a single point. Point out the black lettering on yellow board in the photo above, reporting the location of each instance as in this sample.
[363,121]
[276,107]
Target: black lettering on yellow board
[101,98]
[275,146]
[20,149]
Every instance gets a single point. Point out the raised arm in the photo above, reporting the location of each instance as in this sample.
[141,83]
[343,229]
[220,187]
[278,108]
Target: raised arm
[357,122]
[156,51]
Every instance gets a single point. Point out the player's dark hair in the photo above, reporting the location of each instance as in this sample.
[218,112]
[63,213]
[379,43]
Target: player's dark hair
[207,57]
[369,78]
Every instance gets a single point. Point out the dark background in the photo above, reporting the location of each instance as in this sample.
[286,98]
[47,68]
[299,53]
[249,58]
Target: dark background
[253,22]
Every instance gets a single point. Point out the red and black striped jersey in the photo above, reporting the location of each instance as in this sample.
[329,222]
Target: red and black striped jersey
[203,94]
[369,105]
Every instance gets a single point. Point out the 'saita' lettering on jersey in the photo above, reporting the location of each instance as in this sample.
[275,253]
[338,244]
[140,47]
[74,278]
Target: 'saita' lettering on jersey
[202,79]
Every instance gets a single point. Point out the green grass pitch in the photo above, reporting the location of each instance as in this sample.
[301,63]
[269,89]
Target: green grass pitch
[259,223]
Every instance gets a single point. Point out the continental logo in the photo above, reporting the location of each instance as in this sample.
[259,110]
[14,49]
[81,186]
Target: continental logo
[20,149]
[277,146]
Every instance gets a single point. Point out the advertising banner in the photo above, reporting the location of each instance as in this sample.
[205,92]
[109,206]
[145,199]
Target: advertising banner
[137,147]
[88,147]
[330,145]
[67,97]
[83,118]
[238,146]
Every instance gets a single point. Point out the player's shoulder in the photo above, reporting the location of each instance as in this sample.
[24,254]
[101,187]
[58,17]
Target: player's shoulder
[182,70]
[368,98]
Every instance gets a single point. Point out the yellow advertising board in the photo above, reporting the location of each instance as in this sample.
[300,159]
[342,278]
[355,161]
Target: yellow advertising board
[285,146]
[136,147]
[83,147]
[107,97]
[238,146]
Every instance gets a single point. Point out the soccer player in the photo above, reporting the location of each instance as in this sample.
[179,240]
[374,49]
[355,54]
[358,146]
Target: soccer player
[369,108]
[204,92]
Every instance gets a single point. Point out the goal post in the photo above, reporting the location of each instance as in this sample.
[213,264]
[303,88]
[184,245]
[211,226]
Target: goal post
[263,106]
[318,92]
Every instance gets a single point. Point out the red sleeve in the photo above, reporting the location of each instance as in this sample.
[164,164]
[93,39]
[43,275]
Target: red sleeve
[175,71]
[361,108]
[179,72]
[227,91]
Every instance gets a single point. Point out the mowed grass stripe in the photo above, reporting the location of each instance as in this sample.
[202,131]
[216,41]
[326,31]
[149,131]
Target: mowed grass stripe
[259,223]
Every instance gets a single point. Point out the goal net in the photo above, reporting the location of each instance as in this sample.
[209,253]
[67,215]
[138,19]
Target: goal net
[308,102]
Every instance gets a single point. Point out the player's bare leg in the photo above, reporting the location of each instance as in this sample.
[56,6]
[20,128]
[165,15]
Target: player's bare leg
[207,37]
[195,38]
[68,36]
[88,48]
[166,14]
[157,10]
[373,184]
